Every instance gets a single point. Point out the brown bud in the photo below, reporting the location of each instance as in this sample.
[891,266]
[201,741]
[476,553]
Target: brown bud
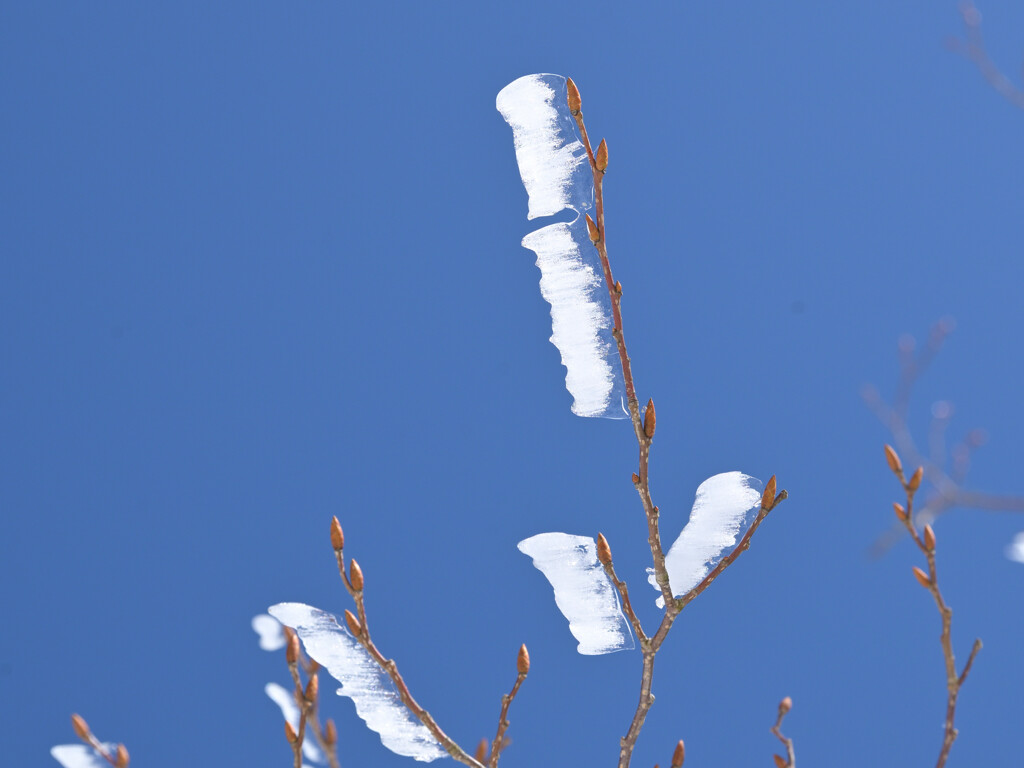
[618,287]
[915,479]
[901,513]
[929,538]
[679,755]
[595,234]
[355,576]
[768,496]
[523,661]
[785,705]
[289,733]
[604,552]
[330,733]
[81,727]
[601,156]
[291,651]
[122,756]
[636,479]
[337,535]
[780,761]
[312,688]
[481,749]
[353,623]
[922,577]
[575,102]
[650,420]
[894,461]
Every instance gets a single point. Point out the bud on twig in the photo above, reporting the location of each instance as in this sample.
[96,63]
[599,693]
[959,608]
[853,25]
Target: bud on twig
[291,651]
[81,728]
[636,479]
[768,497]
[337,535]
[785,705]
[894,461]
[679,755]
[355,576]
[595,234]
[901,513]
[922,577]
[915,480]
[618,288]
[780,761]
[312,689]
[929,538]
[604,552]
[601,156]
[481,749]
[353,624]
[330,733]
[575,102]
[122,756]
[289,733]
[523,661]
[650,420]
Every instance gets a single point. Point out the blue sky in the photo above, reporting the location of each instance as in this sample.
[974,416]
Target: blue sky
[261,266]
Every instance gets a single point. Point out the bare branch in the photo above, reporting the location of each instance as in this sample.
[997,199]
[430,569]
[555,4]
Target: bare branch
[790,760]
[973,48]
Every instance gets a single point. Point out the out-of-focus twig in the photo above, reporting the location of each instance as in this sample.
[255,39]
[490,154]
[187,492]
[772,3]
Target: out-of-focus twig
[973,48]
[307,699]
[945,470]
[119,758]
[789,761]
[925,541]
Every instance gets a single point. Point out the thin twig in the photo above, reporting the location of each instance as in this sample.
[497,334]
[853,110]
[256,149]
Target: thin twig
[82,730]
[627,606]
[973,48]
[790,760]
[500,742]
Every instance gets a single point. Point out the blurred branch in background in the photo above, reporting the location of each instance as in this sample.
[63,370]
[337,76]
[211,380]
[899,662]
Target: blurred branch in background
[972,47]
[789,761]
[945,468]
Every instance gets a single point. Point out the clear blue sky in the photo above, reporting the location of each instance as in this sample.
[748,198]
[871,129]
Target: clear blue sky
[260,265]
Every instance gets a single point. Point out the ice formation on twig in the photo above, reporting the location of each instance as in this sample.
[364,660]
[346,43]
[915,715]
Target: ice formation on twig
[724,506]
[285,699]
[81,756]
[556,173]
[376,700]
[583,592]
[270,632]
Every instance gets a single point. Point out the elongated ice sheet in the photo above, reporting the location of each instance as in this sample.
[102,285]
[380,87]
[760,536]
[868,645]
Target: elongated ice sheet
[371,690]
[269,630]
[583,592]
[285,699]
[724,506]
[81,756]
[556,173]
[1015,549]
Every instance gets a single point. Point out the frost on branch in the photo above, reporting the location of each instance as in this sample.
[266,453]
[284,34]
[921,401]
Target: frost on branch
[556,173]
[81,756]
[583,592]
[724,506]
[376,700]
[269,630]
[285,699]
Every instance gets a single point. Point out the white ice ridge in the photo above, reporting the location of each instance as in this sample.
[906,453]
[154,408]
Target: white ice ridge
[270,632]
[556,173]
[725,504]
[285,699]
[81,756]
[371,690]
[1015,549]
[583,592]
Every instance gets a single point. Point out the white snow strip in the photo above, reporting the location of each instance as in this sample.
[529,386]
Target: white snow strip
[725,504]
[81,756]
[376,700]
[285,699]
[1015,549]
[583,592]
[556,173]
[270,632]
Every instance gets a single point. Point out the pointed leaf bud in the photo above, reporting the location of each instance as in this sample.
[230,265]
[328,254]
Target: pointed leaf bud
[922,577]
[575,102]
[650,420]
[481,749]
[618,288]
[894,461]
[679,755]
[355,576]
[81,727]
[601,156]
[523,661]
[604,552]
[768,497]
[901,513]
[785,705]
[353,623]
[337,535]
[595,234]
[330,733]
[122,756]
[636,479]
[780,761]
[312,689]
[291,651]
[289,733]
[929,538]
[915,479]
